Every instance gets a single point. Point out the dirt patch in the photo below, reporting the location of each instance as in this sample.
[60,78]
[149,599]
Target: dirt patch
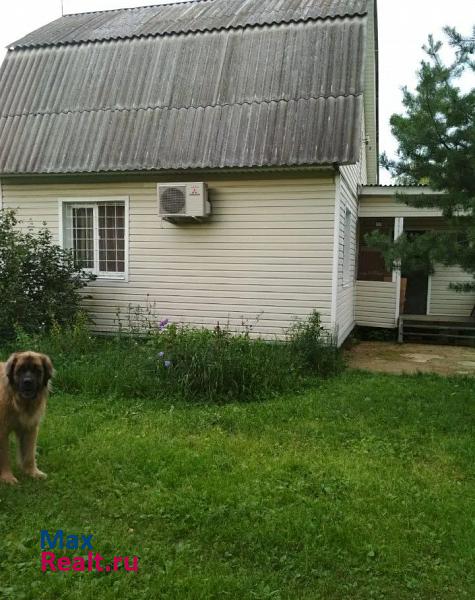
[388,357]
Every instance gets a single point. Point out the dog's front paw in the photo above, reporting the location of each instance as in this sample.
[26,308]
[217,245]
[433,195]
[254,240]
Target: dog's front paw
[8,478]
[37,474]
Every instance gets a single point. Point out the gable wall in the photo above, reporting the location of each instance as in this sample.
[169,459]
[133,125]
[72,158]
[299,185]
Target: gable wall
[265,255]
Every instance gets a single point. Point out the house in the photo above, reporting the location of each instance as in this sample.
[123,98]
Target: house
[110,121]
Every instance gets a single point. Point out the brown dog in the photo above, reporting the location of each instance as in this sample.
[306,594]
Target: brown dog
[23,394]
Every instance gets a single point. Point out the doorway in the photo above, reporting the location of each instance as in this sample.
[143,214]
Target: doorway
[416,284]
[417,289]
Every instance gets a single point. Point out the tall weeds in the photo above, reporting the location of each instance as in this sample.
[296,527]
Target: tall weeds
[163,360]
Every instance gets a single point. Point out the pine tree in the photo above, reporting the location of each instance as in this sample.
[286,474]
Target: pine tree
[436,138]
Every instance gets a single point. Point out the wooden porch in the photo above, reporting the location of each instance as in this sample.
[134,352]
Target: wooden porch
[438,328]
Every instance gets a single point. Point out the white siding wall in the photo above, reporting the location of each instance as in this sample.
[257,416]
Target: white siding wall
[376,300]
[345,296]
[444,301]
[265,254]
[388,206]
[351,177]
[376,303]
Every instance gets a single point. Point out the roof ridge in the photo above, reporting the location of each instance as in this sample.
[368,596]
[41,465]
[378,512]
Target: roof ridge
[202,30]
[177,108]
[108,10]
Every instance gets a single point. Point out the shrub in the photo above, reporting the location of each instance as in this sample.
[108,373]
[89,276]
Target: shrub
[315,347]
[73,339]
[39,281]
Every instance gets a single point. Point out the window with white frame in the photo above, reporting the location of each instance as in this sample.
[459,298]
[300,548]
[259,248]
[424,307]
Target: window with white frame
[96,232]
[347,274]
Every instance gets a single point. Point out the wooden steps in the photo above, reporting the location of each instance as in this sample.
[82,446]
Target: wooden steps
[437,328]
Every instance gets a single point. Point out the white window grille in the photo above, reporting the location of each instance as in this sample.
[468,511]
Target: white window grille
[96,232]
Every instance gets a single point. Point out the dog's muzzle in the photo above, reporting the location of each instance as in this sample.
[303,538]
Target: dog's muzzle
[28,388]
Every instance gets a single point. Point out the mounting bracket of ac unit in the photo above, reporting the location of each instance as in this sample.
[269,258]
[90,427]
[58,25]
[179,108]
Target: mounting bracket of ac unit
[184,220]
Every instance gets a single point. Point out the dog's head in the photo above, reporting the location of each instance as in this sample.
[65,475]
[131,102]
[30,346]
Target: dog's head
[28,373]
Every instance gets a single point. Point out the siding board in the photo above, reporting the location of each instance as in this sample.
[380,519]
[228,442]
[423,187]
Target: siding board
[376,303]
[443,300]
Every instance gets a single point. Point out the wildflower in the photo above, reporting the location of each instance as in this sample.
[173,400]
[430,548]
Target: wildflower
[163,324]
[161,354]
[167,364]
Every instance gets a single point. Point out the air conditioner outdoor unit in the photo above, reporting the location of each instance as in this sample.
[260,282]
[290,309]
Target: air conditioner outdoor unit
[183,201]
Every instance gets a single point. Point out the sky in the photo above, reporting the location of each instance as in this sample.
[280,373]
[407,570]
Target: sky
[404,26]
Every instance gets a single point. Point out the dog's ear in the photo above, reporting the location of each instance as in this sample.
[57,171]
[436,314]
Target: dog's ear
[10,367]
[47,368]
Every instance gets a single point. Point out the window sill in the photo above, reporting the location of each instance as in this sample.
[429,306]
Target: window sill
[101,277]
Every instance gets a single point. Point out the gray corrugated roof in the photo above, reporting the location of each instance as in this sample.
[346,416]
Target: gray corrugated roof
[275,95]
[186,17]
[184,71]
[261,134]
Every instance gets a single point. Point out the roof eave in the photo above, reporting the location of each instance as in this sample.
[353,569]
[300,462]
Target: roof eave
[370,191]
[185,173]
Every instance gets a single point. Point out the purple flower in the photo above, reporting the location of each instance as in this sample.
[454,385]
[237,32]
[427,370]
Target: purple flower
[167,364]
[163,323]
[161,354]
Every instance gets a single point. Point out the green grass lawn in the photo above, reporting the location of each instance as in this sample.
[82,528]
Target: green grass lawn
[361,488]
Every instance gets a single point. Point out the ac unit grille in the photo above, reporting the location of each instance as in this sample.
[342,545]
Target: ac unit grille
[173,200]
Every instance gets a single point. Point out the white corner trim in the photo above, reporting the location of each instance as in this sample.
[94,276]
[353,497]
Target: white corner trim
[398,231]
[94,200]
[60,223]
[398,295]
[336,249]
[429,293]
[398,227]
